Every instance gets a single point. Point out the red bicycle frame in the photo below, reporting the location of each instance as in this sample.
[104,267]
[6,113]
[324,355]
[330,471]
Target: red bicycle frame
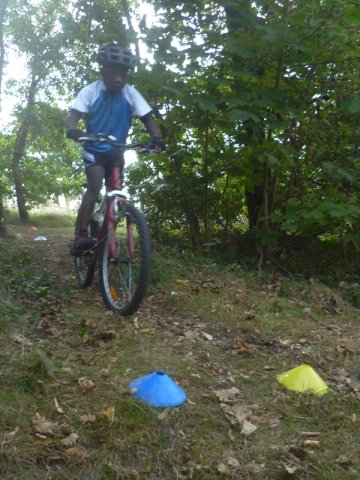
[113,186]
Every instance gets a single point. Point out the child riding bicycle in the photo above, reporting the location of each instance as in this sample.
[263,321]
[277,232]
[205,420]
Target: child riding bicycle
[107,106]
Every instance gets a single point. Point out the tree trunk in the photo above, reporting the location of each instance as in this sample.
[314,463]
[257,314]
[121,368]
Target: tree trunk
[20,190]
[19,149]
[189,210]
[260,200]
[190,214]
[2,46]
[237,18]
[131,27]
[17,174]
[206,186]
[3,231]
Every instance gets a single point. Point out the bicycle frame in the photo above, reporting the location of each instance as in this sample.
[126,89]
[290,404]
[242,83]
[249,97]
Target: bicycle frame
[114,200]
[122,248]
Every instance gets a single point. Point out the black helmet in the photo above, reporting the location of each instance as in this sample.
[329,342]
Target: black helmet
[114,55]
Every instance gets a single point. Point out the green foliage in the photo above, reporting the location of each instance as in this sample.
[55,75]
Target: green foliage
[20,284]
[261,97]
[6,144]
[18,276]
[45,364]
[258,102]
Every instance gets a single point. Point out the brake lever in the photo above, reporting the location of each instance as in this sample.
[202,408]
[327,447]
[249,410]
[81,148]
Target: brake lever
[86,139]
[146,147]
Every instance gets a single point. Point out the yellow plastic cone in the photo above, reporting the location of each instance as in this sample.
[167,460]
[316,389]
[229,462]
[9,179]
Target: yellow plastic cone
[303,379]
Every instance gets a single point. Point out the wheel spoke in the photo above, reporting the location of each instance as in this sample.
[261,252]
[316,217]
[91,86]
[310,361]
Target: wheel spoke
[123,280]
[85,268]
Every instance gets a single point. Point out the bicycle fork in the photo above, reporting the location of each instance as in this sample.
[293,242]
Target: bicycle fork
[114,214]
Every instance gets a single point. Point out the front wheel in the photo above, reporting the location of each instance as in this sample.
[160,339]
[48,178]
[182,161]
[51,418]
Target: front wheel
[125,262]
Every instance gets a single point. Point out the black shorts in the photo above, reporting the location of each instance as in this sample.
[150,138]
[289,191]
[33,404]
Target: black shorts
[104,160]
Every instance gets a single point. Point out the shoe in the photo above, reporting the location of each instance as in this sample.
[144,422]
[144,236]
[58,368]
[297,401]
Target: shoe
[82,242]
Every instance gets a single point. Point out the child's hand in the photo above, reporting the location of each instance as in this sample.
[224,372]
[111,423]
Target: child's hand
[75,133]
[158,144]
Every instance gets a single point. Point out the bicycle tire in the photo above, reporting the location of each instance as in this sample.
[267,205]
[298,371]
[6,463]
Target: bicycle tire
[84,263]
[124,279]
[85,268]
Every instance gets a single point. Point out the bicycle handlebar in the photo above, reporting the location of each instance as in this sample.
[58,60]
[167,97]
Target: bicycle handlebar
[110,140]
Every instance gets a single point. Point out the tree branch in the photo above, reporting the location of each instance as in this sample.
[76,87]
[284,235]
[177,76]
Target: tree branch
[130,25]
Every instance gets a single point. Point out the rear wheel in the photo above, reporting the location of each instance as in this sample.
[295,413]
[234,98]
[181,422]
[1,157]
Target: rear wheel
[85,268]
[124,276]
[84,265]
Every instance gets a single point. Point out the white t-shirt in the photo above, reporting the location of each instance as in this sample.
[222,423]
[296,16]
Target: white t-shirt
[109,114]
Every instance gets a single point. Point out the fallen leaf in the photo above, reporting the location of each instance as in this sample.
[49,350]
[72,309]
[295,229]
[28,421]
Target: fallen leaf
[42,425]
[145,330]
[248,428]
[240,346]
[191,334]
[21,339]
[272,422]
[222,468]
[75,452]
[86,383]
[249,315]
[291,469]
[163,414]
[255,467]
[89,323]
[233,462]
[13,433]
[70,440]
[57,406]
[269,368]
[179,281]
[207,336]
[227,394]
[311,443]
[43,440]
[190,463]
[237,413]
[109,413]
[88,418]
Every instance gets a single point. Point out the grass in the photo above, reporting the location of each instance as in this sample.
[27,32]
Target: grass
[52,217]
[211,327]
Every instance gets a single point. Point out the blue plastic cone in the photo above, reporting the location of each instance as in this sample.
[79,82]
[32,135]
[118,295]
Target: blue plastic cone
[158,390]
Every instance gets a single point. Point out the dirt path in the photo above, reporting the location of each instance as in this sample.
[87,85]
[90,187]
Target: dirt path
[66,364]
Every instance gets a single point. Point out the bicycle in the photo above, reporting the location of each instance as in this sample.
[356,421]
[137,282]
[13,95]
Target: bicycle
[121,242]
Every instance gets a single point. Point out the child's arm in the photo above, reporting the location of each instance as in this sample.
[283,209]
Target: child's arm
[154,131]
[72,120]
